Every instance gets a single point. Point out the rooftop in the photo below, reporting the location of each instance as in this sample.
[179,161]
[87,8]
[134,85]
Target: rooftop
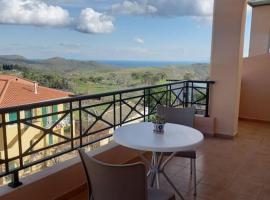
[17,91]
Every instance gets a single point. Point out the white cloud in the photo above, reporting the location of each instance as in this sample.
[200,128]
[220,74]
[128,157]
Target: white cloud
[91,21]
[139,40]
[32,12]
[133,8]
[39,13]
[167,8]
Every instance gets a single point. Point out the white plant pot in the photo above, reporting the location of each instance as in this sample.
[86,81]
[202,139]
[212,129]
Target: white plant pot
[159,128]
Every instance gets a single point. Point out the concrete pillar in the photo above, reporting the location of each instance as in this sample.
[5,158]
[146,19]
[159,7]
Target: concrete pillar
[260,31]
[226,63]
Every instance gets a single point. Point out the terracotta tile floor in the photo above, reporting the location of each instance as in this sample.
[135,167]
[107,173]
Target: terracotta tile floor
[235,169]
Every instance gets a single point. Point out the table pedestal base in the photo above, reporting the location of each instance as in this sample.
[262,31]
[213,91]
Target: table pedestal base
[156,167]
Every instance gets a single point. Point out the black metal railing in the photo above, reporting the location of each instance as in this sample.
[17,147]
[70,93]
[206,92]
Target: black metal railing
[58,127]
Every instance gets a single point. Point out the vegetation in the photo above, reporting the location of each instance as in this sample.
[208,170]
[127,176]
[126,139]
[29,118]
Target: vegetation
[82,77]
[47,79]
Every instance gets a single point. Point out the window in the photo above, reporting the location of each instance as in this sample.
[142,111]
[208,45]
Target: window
[26,170]
[12,165]
[12,116]
[55,117]
[44,119]
[50,139]
[54,120]
[28,114]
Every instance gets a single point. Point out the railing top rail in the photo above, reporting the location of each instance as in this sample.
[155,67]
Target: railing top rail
[91,96]
[193,81]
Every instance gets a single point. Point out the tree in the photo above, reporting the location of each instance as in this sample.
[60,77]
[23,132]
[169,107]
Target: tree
[136,75]
[188,76]
[47,79]
[7,67]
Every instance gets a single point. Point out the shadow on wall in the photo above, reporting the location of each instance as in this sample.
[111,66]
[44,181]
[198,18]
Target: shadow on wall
[255,93]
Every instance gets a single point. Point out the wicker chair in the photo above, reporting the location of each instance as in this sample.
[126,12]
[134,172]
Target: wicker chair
[183,116]
[118,182]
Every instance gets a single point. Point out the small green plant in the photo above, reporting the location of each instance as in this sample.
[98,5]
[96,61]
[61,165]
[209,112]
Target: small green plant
[158,119]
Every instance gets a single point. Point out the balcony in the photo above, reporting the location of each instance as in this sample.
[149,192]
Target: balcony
[38,153]
[227,169]
[32,143]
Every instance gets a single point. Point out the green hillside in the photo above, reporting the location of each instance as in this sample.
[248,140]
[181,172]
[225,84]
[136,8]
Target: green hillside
[88,77]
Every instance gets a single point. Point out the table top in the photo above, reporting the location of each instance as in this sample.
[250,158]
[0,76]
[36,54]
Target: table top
[140,136]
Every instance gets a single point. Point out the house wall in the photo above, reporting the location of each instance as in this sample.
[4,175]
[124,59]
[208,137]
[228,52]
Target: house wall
[28,134]
[260,31]
[255,90]
[12,136]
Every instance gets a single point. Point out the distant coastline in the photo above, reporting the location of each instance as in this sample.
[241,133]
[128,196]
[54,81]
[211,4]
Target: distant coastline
[138,64]
[65,63]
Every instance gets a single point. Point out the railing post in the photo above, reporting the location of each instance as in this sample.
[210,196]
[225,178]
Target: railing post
[148,104]
[19,137]
[144,105]
[170,96]
[192,93]
[186,95]
[80,120]
[15,182]
[167,95]
[5,141]
[120,110]
[114,112]
[207,100]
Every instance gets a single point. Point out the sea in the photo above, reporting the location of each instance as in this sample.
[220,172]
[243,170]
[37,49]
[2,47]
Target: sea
[133,63]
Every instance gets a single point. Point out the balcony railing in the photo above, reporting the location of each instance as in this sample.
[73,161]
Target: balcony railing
[79,121]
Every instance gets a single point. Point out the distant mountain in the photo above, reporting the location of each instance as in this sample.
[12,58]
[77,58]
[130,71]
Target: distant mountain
[12,57]
[56,63]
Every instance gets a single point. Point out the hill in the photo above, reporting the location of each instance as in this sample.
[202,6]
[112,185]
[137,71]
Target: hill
[87,77]
[55,64]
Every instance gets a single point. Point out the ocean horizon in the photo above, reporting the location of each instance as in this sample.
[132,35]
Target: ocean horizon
[135,63]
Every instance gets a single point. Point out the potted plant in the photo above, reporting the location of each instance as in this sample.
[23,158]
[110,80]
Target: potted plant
[159,123]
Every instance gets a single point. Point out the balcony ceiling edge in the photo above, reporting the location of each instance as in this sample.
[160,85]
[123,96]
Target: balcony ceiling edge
[256,3]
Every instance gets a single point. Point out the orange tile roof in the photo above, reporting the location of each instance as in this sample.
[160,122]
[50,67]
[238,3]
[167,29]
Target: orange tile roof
[17,91]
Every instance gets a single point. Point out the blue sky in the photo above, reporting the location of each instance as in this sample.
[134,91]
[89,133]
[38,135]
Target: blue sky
[133,30]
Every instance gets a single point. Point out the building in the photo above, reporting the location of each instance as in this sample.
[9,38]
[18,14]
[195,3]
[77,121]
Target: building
[15,91]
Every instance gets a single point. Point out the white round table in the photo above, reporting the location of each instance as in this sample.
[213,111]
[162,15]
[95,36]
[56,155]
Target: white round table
[140,136]
[175,138]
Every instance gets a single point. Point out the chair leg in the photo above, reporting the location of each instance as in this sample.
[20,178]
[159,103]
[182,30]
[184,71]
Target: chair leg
[195,178]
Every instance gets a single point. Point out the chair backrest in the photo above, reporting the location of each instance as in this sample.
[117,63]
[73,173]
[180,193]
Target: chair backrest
[183,116]
[114,182]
